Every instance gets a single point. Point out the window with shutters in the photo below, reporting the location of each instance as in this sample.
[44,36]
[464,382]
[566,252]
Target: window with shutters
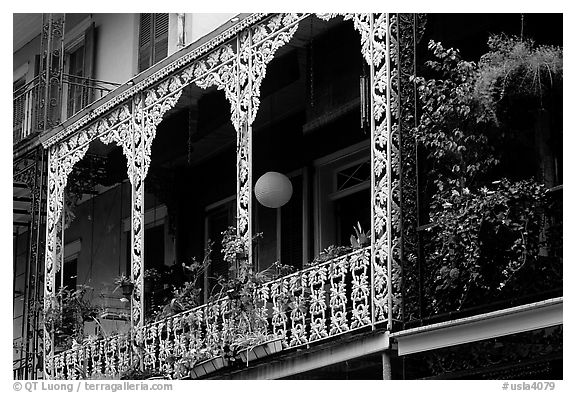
[19,103]
[79,75]
[77,97]
[153,40]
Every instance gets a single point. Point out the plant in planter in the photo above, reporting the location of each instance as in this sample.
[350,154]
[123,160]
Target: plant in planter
[255,345]
[187,296]
[358,239]
[183,365]
[134,373]
[328,254]
[125,283]
[67,314]
[205,361]
[249,323]
[362,238]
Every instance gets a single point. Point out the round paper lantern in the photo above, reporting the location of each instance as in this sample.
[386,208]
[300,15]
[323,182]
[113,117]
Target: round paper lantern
[273,189]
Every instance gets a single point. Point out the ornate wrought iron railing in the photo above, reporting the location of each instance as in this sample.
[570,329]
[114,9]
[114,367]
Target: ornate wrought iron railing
[95,358]
[311,305]
[77,93]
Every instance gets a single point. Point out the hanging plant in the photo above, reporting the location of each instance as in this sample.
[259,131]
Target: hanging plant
[125,283]
[516,69]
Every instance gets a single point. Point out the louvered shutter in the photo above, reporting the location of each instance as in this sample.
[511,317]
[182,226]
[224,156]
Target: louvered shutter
[145,42]
[160,37]
[153,40]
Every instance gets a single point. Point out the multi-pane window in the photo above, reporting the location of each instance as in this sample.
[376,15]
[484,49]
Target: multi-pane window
[153,41]
[77,98]
[79,85]
[343,195]
[353,175]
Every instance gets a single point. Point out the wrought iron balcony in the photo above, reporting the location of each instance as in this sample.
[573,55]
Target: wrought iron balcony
[76,93]
[315,304]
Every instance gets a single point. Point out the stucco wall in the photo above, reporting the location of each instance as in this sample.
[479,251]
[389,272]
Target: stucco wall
[198,25]
[116,46]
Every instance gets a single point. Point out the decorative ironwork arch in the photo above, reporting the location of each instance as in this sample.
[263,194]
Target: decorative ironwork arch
[238,68]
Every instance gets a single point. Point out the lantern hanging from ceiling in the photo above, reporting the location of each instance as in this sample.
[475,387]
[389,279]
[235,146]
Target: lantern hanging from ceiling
[273,189]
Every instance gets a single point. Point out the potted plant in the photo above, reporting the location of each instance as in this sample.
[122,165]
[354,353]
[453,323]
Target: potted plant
[246,339]
[362,238]
[125,283]
[66,315]
[249,339]
[134,373]
[187,296]
[255,345]
[205,361]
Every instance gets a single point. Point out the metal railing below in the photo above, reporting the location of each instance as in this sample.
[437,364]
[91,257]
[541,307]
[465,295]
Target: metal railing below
[77,93]
[315,304]
[26,109]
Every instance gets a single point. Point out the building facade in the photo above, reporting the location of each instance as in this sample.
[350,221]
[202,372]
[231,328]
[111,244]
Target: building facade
[140,139]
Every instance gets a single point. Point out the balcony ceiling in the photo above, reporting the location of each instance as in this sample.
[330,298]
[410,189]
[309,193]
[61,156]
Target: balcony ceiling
[25,28]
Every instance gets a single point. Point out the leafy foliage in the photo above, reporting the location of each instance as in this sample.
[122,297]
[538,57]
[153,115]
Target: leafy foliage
[249,326]
[482,240]
[67,315]
[187,296]
[455,136]
[487,232]
[362,238]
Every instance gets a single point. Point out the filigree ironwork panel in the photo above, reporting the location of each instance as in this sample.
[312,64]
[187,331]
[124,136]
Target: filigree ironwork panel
[409,31]
[314,304]
[241,113]
[386,226]
[61,160]
[30,170]
[51,69]
[157,76]
[94,358]
[379,47]
[307,307]
[59,167]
